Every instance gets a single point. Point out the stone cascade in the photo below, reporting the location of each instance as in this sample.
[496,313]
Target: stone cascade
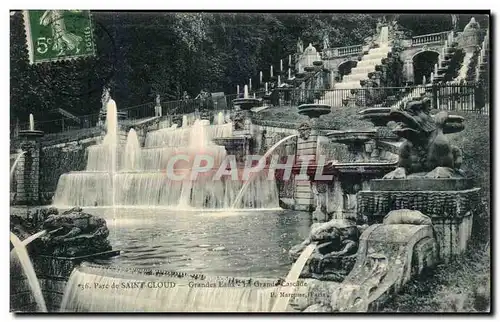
[419,214]
[482,66]
[148,176]
[474,56]
[364,70]
[213,294]
[447,58]
[452,58]
[365,66]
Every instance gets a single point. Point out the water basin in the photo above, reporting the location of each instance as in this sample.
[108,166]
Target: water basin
[246,243]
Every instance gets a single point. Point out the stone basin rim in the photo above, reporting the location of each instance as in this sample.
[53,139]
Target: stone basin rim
[152,273]
[351,135]
[31,133]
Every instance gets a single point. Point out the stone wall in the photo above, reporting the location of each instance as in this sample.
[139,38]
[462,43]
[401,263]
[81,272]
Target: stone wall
[52,274]
[60,158]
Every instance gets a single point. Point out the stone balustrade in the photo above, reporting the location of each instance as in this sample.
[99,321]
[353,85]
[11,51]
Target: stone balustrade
[342,51]
[430,38]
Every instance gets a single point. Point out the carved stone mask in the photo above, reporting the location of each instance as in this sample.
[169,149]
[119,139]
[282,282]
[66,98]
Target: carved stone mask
[304,130]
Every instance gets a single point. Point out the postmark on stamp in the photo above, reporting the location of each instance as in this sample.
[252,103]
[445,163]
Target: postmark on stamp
[55,35]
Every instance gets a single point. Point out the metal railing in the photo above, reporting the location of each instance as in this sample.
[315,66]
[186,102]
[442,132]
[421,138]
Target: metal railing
[452,97]
[466,97]
[137,112]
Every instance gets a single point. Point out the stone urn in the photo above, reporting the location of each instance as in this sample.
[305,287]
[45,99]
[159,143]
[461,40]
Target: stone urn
[246,103]
[314,111]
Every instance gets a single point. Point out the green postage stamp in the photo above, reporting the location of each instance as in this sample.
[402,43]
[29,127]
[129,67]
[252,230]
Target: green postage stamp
[55,35]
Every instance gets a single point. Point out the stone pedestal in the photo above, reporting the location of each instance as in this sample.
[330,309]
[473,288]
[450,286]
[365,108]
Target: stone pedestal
[450,203]
[306,148]
[239,146]
[320,190]
[27,174]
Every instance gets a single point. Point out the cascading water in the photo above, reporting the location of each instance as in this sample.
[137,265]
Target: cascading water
[222,296]
[462,73]
[384,35]
[145,176]
[25,262]
[292,277]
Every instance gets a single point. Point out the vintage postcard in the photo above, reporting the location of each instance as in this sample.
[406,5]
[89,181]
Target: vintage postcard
[291,162]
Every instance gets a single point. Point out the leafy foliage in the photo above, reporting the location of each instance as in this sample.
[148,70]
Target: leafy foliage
[141,54]
[144,53]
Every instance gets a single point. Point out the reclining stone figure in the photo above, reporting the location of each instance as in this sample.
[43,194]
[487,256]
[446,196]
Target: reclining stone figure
[335,239]
[74,233]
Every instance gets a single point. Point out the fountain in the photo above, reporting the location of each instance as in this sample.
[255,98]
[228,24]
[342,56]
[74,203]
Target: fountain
[31,132]
[132,156]
[32,122]
[370,155]
[30,239]
[220,120]
[246,103]
[144,176]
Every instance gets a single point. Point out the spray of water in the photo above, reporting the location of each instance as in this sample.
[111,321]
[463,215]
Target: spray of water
[14,166]
[132,156]
[27,266]
[32,123]
[237,201]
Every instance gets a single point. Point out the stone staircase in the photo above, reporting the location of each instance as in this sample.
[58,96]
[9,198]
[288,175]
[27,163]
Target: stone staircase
[364,67]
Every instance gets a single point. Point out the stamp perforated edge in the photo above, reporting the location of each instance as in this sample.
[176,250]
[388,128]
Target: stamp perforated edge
[29,43]
[27,31]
